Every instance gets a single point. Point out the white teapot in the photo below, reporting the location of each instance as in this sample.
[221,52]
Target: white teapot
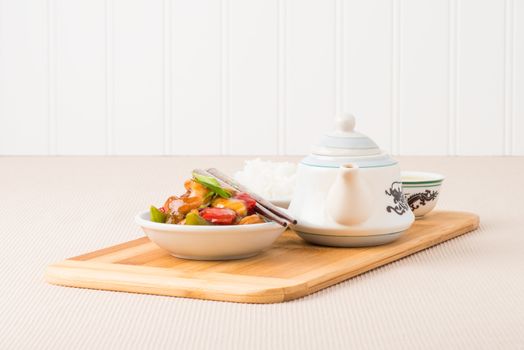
[348,192]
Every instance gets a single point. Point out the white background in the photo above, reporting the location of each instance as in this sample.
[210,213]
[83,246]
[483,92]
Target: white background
[259,76]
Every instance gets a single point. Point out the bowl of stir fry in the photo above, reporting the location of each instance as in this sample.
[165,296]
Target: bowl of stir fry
[209,221]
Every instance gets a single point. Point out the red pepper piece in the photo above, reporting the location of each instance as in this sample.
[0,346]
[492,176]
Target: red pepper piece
[250,202]
[219,216]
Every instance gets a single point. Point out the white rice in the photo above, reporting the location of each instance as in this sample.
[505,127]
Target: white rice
[271,180]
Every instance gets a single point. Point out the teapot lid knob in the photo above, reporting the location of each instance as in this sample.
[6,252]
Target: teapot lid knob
[345,123]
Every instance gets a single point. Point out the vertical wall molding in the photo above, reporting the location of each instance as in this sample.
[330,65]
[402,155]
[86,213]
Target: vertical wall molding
[2,151]
[282,75]
[51,78]
[453,76]
[339,56]
[395,76]
[225,76]
[167,76]
[514,78]
[109,75]
[509,48]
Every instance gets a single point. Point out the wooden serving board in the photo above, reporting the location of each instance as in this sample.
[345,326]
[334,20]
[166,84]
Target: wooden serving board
[290,269]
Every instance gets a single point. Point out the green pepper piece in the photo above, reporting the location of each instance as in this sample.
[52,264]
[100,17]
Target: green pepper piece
[212,184]
[156,215]
[195,219]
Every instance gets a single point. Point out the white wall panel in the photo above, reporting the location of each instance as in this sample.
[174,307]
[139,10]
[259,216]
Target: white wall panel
[260,76]
[196,78]
[138,76]
[369,67]
[23,77]
[254,77]
[310,72]
[517,101]
[79,73]
[424,77]
[480,124]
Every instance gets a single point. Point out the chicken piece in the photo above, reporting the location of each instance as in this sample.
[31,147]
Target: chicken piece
[175,218]
[195,189]
[182,205]
[167,204]
[239,206]
[251,219]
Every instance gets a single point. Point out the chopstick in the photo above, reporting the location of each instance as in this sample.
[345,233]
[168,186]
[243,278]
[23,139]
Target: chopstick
[259,208]
[263,202]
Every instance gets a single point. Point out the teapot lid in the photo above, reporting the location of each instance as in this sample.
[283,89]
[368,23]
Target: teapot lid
[345,145]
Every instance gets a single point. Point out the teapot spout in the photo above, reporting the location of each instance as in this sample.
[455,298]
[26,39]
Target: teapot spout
[349,200]
[349,172]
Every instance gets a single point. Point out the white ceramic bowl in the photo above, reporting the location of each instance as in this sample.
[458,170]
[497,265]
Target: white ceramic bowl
[210,242]
[281,202]
[421,190]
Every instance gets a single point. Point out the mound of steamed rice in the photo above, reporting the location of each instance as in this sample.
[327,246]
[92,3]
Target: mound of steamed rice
[271,180]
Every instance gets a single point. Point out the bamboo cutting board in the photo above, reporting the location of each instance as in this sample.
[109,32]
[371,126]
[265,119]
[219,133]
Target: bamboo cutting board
[291,269]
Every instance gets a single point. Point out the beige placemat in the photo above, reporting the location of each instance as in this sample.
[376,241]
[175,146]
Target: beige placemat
[466,293]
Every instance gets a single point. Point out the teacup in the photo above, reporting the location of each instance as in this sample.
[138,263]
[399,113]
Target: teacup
[421,190]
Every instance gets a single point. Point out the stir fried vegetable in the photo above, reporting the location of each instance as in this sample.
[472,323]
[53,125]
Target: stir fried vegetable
[206,202]
[212,184]
[157,215]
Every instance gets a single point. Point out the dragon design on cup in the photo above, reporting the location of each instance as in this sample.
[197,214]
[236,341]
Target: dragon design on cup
[400,205]
[421,198]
